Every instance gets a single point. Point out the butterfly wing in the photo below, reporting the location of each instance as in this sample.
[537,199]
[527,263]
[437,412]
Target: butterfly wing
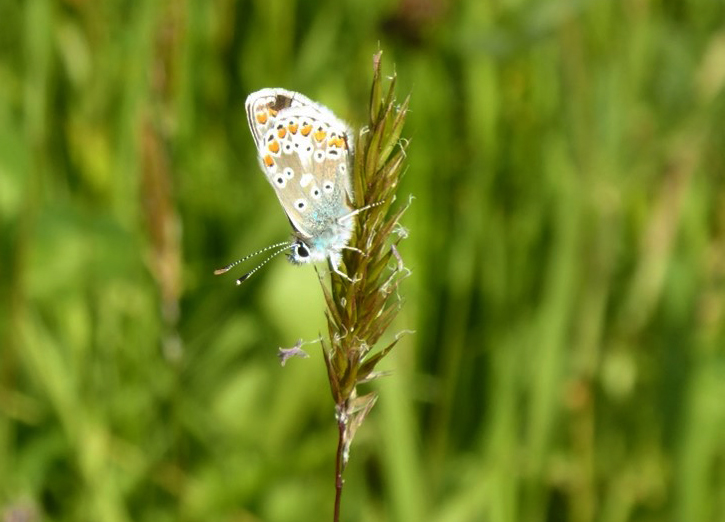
[263,106]
[304,152]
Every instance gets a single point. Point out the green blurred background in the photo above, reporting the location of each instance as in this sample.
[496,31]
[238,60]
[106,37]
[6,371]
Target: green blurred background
[567,248]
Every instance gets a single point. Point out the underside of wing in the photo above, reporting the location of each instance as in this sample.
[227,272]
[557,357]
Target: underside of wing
[306,159]
[264,106]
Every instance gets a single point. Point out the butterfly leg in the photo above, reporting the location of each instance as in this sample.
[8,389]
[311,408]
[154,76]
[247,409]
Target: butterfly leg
[334,259]
[343,275]
[355,249]
[355,212]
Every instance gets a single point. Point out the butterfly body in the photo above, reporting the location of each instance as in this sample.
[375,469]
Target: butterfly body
[305,152]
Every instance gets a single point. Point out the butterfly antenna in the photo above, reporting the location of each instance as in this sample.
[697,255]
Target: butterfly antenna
[226,269]
[260,265]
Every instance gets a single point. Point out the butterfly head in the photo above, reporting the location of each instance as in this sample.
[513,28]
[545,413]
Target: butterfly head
[325,245]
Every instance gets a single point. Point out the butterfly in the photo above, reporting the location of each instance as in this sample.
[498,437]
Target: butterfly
[305,152]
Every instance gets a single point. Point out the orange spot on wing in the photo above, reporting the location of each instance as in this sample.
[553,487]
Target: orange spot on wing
[293,128]
[320,135]
[282,132]
[306,129]
[273,147]
[268,161]
[261,118]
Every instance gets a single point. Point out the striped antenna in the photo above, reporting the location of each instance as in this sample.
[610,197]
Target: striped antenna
[226,269]
[260,265]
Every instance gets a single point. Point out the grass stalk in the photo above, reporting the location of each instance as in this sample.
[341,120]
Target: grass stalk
[360,311]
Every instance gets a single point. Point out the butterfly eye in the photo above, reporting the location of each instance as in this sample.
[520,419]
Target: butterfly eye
[302,250]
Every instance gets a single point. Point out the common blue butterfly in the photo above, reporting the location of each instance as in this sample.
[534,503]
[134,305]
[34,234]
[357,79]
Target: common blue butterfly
[305,152]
